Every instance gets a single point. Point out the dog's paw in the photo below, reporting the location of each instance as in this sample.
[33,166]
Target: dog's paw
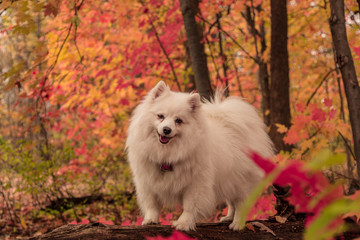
[226,219]
[184,226]
[235,226]
[149,222]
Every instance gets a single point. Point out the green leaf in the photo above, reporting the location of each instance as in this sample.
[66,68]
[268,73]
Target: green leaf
[321,227]
[325,159]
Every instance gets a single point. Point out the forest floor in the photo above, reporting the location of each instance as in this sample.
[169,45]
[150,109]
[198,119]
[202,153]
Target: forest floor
[291,230]
[260,229]
[26,222]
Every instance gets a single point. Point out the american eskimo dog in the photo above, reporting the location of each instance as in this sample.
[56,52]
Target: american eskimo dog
[183,151]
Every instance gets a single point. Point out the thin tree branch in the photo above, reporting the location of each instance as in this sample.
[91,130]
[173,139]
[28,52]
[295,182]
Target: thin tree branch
[213,58]
[231,38]
[51,68]
[211,26]
[13,218]
[343,176]
[249,17]
[347,144]
[4,10]
[61,47]
[166,54]
[76,9]
[318,87]
[254,35]
[222,54]
[43,84]
[237,76]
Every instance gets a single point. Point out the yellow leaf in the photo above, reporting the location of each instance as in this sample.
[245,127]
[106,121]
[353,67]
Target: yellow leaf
[280,219]
[88,102]
[23,223]
[250,227]
[5,4]
[307,144]
[281,128]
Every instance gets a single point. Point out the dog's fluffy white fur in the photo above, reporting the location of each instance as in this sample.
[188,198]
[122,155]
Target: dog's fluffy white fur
[205,144]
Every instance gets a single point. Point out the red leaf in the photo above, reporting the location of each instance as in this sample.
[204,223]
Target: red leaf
[175,236]
[84,221]
[81,151]
[104,221]
[139,221]
[304,185]
[328,102]
[318,115]
[166,220]
[142,23]
[225,211]
[124,102]
[102,72]
[265,164]
[126,223]
[357,52]
[52,8]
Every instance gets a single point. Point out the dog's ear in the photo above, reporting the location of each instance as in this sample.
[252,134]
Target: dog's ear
[194,101]
[158,90]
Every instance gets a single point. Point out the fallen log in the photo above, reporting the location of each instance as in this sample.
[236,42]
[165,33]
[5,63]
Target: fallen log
[255,230]
[290,230]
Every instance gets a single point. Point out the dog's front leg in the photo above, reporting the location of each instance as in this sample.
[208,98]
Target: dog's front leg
[197,202]
[187,219]
[149,205]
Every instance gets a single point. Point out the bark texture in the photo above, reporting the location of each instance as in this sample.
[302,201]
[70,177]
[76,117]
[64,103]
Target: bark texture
[290,230]
[279,92]
[279,72]
[189,9]
[345,63]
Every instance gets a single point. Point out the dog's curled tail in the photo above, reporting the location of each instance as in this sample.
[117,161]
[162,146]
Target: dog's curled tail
[243,119]
[217,98]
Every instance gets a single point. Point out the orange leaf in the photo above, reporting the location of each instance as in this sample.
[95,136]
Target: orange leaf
[250,227]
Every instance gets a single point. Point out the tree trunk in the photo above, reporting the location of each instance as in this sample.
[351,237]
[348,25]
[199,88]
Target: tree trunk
[262,74]
[279,71]
[189,8]
[279,93]
[189,77]
[263,79]
[345,63]
[222,54]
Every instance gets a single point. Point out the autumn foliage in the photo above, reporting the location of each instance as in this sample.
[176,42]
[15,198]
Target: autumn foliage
[73,70]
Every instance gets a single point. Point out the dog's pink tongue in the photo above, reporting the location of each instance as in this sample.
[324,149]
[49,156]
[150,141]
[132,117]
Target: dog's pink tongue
[166,167]
[164,139]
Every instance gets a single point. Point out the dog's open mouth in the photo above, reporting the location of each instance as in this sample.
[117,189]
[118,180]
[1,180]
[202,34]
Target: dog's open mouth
[164,139]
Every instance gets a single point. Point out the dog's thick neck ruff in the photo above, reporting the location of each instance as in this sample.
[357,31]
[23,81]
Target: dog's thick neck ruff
[166,167]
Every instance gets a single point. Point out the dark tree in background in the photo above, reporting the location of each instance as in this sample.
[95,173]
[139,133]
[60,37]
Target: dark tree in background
[279,91]
[345,63]
[189,9]
[279,72]
[257,31]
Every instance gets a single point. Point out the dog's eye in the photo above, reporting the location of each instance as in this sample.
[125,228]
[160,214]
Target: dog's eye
[160,116]
[178,121]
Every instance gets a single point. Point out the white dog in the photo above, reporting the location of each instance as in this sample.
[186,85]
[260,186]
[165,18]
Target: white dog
[183,151]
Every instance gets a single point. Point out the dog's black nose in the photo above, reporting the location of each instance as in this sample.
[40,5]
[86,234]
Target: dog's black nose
[167,130]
